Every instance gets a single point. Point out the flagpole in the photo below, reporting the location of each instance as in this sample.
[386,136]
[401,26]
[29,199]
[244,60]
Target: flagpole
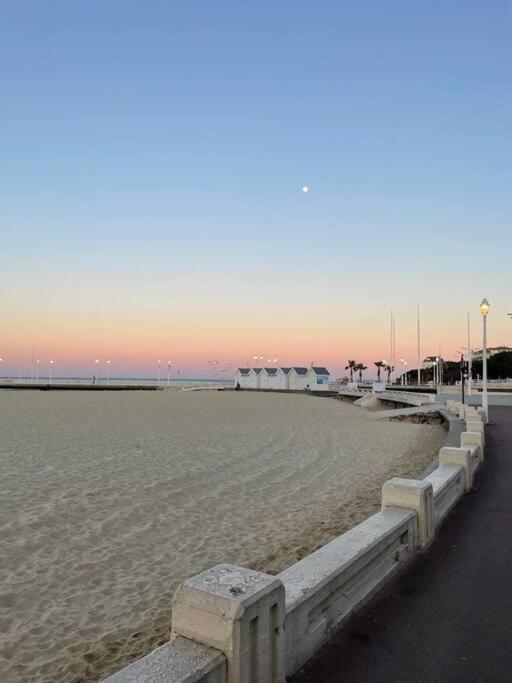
[419,371]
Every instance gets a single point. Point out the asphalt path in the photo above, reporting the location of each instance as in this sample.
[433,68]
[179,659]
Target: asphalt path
[448,615]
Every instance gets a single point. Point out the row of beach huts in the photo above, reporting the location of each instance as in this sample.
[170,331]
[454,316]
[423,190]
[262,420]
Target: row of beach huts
[288,379]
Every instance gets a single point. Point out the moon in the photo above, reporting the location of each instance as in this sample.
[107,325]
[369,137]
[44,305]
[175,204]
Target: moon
[305,188]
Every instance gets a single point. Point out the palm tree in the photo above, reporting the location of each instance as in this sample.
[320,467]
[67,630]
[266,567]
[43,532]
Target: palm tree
[360,367]
[380,364]
[351,366]
[389,370]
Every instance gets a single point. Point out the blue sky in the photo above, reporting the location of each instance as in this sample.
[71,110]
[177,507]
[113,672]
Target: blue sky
[154,152]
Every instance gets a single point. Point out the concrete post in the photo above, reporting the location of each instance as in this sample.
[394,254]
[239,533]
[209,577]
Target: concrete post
[470,411]
[458,456]
[240,612]
[413,495]
[476,427]
[473,439]
[462,412]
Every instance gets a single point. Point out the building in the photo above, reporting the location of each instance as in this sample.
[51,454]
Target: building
[243,377]
[478,355]
[298,379]
[319,376]
[283,379]
[248,378]
[256,376]
[314,378]
[430,361]
[268,378]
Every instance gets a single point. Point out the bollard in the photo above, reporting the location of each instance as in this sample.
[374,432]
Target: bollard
[451,405]
[470,411]
[472,426]
[449,455]
[240,612]
[413,495]
[473,439]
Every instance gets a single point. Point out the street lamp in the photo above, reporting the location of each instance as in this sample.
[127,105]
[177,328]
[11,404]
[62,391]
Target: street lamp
[168,373]
[484,310]
[159,367]
[257,359]
[51,366]
[108,372]
[97,375]
[386,365]
[37,370]
[404,371]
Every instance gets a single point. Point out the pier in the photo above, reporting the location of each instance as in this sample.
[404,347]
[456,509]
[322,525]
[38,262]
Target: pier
[76,387]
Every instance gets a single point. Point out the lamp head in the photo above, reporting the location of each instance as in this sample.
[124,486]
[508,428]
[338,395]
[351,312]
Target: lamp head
[484,307]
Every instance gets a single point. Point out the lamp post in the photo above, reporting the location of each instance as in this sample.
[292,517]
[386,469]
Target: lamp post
[484,309]
[470,354]
[37,371]
[97,375]
[462,376]
[404,371]
[108,372]
[51,366]
[159,368]
[168,373]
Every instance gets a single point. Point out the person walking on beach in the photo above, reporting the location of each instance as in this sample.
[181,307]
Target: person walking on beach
[94,379]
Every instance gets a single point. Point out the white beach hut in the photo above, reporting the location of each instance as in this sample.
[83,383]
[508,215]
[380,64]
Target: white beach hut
[268,378]
[298,379]
[243,377]
[318,379]
[282,378]
[255,381]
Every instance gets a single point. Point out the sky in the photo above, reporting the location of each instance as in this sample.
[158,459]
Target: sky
[152,157]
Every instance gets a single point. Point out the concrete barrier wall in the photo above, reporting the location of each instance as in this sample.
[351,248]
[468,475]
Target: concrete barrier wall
[448,486]
[327,586]
[233,625]
[180,661]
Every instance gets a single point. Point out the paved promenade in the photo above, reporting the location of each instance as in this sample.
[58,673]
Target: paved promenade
[448,617]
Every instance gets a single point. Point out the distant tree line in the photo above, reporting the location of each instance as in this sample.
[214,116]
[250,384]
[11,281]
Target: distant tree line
[499,366]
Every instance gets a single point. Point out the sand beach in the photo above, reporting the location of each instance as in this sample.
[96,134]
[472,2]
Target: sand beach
[109,500]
